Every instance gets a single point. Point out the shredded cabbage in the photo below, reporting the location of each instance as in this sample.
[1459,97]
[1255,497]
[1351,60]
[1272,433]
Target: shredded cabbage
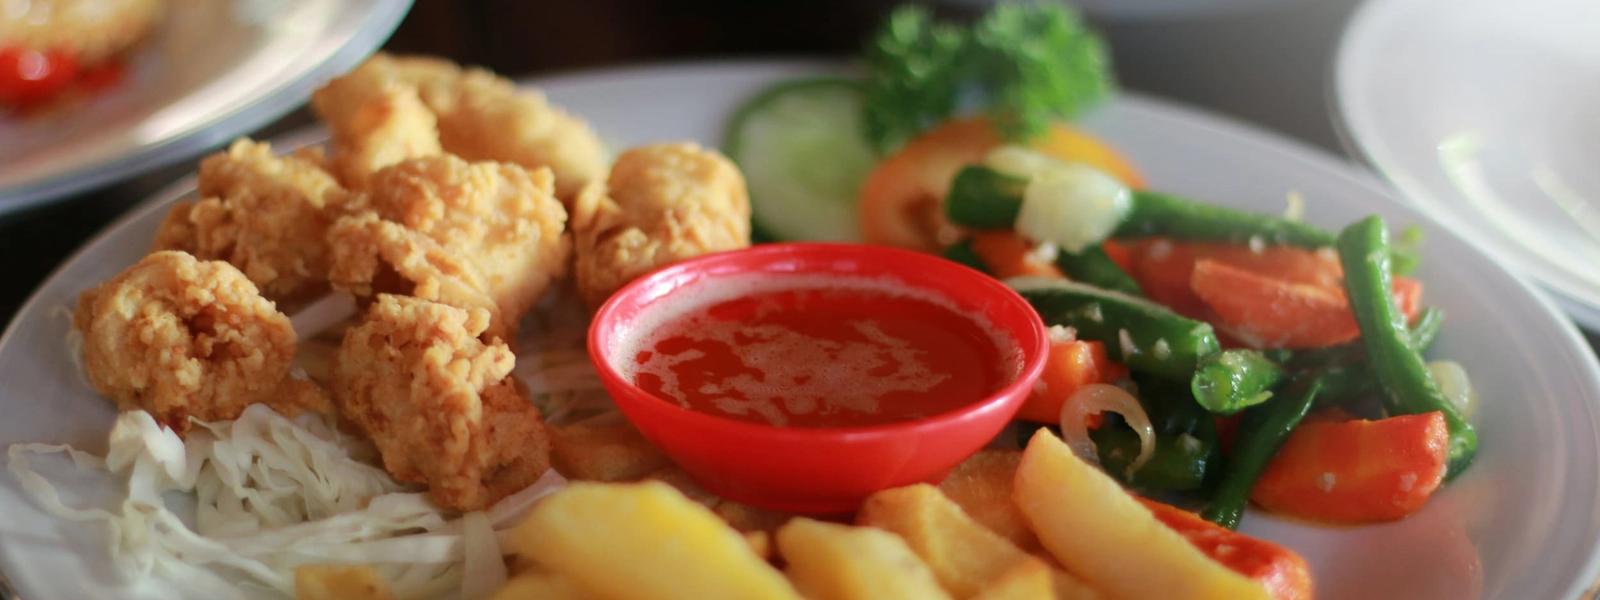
[273,494]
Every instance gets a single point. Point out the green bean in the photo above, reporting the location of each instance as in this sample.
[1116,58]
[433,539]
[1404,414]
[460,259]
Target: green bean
[1180,462]
[1407,385]
[1155,213]
[1262,430]
[983,198]
[1424,329]
[1147,337]
[1094,267]
[1233,380]
[963,253]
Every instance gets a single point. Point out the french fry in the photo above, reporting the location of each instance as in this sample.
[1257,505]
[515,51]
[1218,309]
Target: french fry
[760,543]
[540,586]
[604,448]
[965,556]
[1102,534]
[643,541]
[829,561]
[982,486]
[742,517]
[1027,580]
[340,582]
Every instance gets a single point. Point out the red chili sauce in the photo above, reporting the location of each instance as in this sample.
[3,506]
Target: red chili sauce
[840,356]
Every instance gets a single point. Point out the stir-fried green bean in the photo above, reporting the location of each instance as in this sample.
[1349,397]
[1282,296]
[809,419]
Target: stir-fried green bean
[1393,356]
[983,198]
[963,253]
[1094,267]
[1262,430]
[1155,213]
[1146,336]
[1233,380]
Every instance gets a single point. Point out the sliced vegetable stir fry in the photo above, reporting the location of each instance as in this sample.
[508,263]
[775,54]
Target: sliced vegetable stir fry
[1201,353]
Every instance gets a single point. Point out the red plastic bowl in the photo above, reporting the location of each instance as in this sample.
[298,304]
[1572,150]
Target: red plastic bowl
[818,470]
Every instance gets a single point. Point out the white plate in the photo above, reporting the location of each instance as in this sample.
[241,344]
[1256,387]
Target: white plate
[1524,522]
[1485,114]
[212,70]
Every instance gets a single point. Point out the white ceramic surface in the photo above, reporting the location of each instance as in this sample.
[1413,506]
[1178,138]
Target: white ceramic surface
[1486,115]
[213,69]
[1524,522]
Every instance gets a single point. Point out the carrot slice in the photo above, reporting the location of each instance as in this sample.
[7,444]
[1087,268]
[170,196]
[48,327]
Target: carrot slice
[1071,365]
[1006,254]
[1356,471]
[1284,573]
[1264,311]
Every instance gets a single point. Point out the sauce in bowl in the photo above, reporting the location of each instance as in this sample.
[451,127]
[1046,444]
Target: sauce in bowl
[803,352]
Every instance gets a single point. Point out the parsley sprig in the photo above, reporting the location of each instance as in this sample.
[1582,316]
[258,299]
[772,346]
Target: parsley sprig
[1022,64]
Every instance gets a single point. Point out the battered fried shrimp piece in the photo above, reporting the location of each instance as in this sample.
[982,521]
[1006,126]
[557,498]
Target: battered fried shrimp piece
[472,235]
[665,203]
[91,31]
[268,215]
[179,338]
[438,402]
[482,116]
[375,122]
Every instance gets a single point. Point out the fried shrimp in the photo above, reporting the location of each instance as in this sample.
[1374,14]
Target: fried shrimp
[268,215]
[472,235]
[479,116]
[662,204]
[375,123]
[180,338]
[439,403]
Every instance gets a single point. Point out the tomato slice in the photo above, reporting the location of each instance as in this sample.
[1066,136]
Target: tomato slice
[29,77]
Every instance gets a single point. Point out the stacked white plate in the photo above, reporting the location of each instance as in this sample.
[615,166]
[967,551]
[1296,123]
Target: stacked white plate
[211,71]
[1486,115]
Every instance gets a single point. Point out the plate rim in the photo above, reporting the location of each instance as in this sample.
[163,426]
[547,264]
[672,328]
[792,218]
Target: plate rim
[377,26]
[1356,32]
[1248,133]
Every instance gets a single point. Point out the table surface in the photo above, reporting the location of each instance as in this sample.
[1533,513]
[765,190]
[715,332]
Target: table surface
[1261,61]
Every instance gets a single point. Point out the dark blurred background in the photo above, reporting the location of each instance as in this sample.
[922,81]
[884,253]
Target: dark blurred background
[1262,61]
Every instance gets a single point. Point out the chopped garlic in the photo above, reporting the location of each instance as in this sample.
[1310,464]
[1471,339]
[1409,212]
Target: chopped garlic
[1061,334]
[1408,481]
[1257,245]
[1295,210]
[1161,350]
[1126,341]
[1046,252]
[1325,483]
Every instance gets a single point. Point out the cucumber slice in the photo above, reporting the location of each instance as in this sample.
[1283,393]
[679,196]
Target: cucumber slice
[801,147]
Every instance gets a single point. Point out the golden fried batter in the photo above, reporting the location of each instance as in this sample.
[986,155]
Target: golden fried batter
[480,116]
[439,403]
[268,215]
[665,203]
[374,124]
[179,338]
[89,30]
[472,235]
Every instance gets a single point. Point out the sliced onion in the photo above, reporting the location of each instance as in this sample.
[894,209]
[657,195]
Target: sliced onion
[1101,397]
[1455,384]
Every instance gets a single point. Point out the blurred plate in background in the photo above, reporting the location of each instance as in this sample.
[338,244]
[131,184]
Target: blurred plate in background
[1484,113]
[212,70]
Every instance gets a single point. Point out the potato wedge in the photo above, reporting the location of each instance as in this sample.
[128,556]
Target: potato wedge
[340,582]
[540,586]
[605,448]
[643,541]
[964,555]
[829,561]
[742,517]
[982,486]
[1101,533]
[1027,580]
